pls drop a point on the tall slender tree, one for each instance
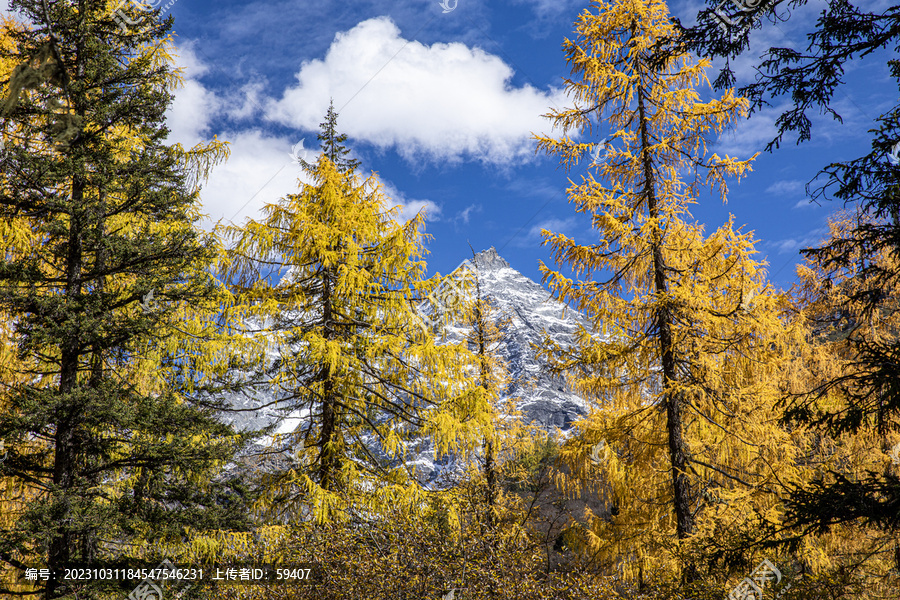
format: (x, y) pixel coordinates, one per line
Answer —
(686, 330)
(101, 253)
(351, 359)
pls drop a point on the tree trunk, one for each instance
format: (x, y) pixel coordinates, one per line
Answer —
(678, 452)
(328, 460)
(65, 442)
(490, 474)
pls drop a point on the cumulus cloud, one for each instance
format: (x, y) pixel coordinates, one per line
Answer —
(245, 102)
(261, 168)
(442, 102)
(259, 171)
(188, 117)
(409, 208)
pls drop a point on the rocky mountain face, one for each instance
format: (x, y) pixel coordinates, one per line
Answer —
(532, 313)
(544, 400)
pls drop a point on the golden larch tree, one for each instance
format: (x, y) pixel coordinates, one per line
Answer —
(343, 324)
(686, 333)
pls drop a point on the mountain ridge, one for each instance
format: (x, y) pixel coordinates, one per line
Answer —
(543, 399)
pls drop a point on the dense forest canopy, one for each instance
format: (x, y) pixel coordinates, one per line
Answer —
(735, 438)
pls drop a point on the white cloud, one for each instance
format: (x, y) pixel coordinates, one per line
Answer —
(259, 171)
(409, 208)
(805, 203)
(189, 114)
(568, 226)
(442, 102)
(787, 245)
(786, 187)
(565, 226)
(261, 168)
(245, 102)
(466, 213)
(749, 136)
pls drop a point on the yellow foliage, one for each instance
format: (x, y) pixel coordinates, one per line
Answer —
(688, 339)
(352, 356)
(826, 385)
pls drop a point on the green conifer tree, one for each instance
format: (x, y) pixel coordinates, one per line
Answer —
(332, 144)
(101, 255)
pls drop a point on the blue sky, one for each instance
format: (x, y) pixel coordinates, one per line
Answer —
(442, 105)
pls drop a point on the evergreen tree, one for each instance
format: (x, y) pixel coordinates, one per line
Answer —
(841, 384)
(342, 323)
(332, 144)
(101, 255)
(809, 77)
(686, 332)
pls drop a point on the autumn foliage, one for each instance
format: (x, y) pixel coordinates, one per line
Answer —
(730, 422)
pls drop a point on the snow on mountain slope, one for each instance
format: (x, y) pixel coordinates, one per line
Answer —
(543, 399)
